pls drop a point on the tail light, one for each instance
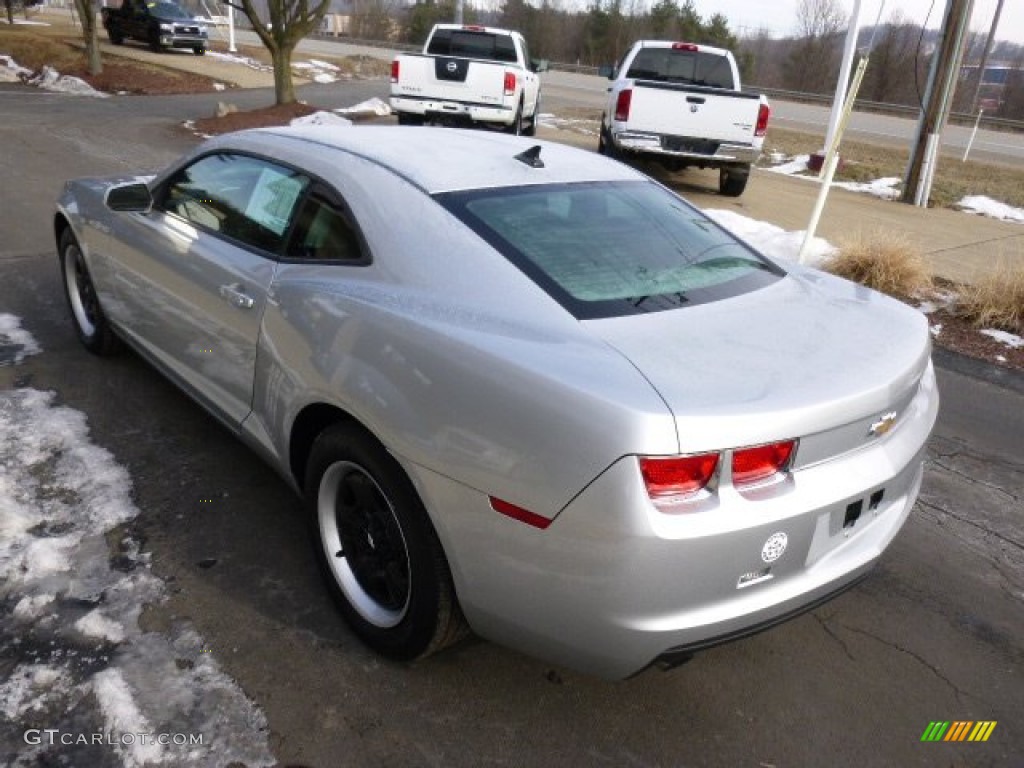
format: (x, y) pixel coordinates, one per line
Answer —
(622, 104)
(394, 70)
(668, 479)
(762, 120)
(684, 47)
(510, 83)
(753, 465)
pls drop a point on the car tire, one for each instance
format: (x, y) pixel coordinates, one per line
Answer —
(732, 179)
(115, 38)
(407, 119)
(517, 127)
(154, 42)
(199, 50)
(91, 325)
(377, 548)
(531, 126)
(605, 146)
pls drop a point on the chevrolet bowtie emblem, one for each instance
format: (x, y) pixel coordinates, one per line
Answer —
(883, 425)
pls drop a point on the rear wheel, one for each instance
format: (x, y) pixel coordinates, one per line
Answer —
(732, 179)
(115, 37)
(377, 548)
(199, 50)
(90, 323)
(605, 146)
(518, 122)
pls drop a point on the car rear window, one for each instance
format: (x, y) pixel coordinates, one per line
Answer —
(607, 249)
(472, 44)
(681, 66)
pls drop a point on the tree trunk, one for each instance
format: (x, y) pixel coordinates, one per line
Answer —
(284, 89)
(9, 4)
(90, 35)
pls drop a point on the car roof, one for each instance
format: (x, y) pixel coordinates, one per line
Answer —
(442, 159)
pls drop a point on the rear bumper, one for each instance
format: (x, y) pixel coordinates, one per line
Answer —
(687, 148)
(614, 584)
(435, 109)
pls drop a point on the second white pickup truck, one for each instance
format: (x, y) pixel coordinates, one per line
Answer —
(468, 74)
(682, 104)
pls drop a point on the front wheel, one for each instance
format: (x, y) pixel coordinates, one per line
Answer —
(531, 127)
(518, 122)
(154, 42)
(115, 37)
(199, 50)
(377, 548)
(90, 323)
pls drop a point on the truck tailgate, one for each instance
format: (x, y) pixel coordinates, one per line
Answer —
(710, 113)
(444, 78)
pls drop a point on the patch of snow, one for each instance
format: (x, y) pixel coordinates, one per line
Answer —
(11, 71)
(1012, 340)
(771, 240)
(95, 624)
(49, 79)
(986, 206)
(321, 118)
(15, 342)
(884, 188)
(575, 125)
(325, 65)
(323, 77)
(245, 61)
(374, 106)
(69, 621)
(935, 330)
(1000, 359)
(795, 167)
(219, 87)
(927, 307)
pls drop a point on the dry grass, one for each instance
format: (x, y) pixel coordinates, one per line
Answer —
(953, 179)
(996, 300)
(884, 261)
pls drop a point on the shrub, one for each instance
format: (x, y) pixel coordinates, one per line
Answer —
(996, 300)
(887, 262)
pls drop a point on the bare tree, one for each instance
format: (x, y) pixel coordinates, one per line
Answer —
(890, 78)
(288, 22)
(90, 34)
(813, 64)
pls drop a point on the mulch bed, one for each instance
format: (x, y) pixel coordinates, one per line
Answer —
(279, 114)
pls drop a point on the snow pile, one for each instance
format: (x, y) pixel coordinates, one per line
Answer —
(11, 71)
(70, 609)
(771, 240)
(986, 206)
(1012, 340)
(585, 127)
(793, 167)
(885, 188)
(373, 106)
(15, 343)
(321, 118)
(50, 79)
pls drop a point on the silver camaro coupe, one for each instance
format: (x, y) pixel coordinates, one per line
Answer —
(522, 388)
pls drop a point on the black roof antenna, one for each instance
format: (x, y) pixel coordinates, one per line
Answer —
(531, 157)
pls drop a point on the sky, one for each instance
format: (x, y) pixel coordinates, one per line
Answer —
(779, 16)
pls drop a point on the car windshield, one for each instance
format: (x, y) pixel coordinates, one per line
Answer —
(168, 11)
(613, 248)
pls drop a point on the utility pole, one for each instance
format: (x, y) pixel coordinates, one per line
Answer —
(938, 101)
(984, 56)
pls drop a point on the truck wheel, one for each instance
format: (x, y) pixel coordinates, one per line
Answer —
(377, 547)
(517, 122)
(115, 38)
(732, 179)
(605, 146)
(199, 50)
(531, 127)
(154, 42)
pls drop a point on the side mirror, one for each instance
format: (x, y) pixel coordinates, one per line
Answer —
(607, 71)
(130, 198)
(539, 65)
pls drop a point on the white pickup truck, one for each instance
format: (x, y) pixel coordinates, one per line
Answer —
(681, 104)
(468, 74)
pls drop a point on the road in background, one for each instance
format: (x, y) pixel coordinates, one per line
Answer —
(935, 633)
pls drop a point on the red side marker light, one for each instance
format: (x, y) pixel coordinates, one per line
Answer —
(520, 514)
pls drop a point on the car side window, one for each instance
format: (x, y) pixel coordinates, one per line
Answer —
(237, 196)
(324, 232)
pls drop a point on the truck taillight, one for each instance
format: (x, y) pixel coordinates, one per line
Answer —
(394, 71)
(762, 120)
(510, 83)
(622, 104)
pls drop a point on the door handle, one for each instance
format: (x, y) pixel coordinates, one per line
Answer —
(235, 296)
